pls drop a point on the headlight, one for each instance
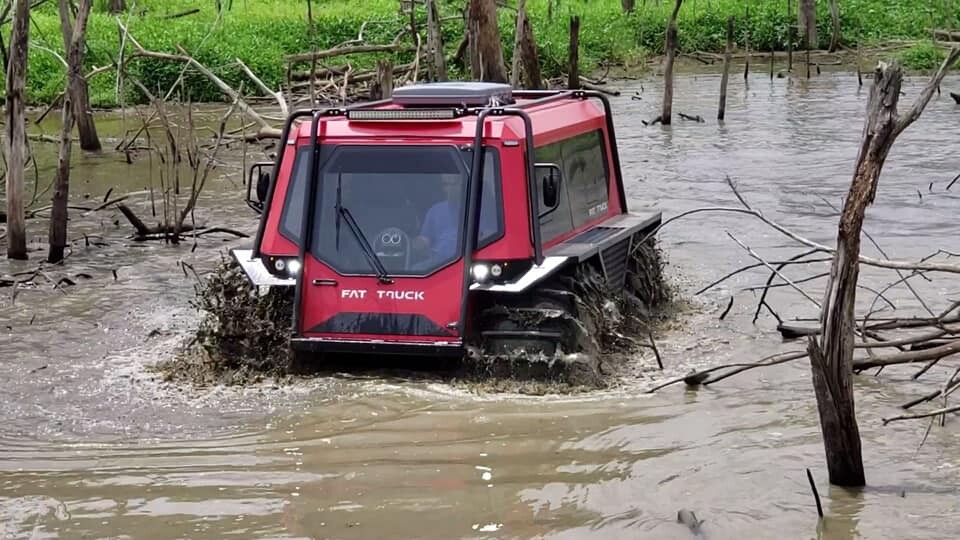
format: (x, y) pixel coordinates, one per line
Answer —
(284, 267)
(480, 272)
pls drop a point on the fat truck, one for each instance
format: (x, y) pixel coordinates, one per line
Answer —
(444, 221)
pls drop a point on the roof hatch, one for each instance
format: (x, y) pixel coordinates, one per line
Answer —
(467, 94)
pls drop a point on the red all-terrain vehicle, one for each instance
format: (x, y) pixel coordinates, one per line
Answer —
(452, 218)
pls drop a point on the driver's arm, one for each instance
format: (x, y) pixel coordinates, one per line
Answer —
(428, 230)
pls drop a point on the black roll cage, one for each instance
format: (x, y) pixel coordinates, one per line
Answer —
(536, 97)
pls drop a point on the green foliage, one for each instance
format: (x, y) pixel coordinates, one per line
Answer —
(923, 55)
(262, 32)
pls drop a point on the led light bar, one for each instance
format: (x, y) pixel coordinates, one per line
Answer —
(370, 115)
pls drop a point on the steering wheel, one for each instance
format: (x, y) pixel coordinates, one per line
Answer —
(393, 244)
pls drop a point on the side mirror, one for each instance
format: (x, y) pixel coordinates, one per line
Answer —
(258, 179)
(548, 178)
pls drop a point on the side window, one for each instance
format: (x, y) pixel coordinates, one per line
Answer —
(491, 206)
(291, 218)
(585, 173)
(558, 221)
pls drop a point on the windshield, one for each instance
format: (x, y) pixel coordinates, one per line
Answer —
(408, 202)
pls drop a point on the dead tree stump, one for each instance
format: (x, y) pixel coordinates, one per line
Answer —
(435, 42)
(573, 79)
(831, 357)
(726, 70)
(16, 139)
(808, 23)
(382, 86)
(670, 49)
(529, 56)
(77, 87)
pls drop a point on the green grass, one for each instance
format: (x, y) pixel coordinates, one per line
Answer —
(261, 32)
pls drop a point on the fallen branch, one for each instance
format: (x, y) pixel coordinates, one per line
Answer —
(266, 130)
(182, 14)
(276, 95)
(937, 412)
(701, 376)
(338, 51)
(910, 357)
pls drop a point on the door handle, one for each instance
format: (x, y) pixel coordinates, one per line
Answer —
(319, 282)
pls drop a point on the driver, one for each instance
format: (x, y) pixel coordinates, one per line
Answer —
(442, 222)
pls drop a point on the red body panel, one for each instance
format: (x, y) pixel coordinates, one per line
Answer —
(435, 300)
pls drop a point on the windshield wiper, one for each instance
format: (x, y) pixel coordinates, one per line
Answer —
(365, 246)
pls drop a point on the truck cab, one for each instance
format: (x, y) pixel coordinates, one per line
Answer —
(402, 225)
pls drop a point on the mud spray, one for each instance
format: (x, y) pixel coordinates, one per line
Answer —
(243, 335)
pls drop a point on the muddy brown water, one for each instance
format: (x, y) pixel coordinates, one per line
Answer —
(92, 446)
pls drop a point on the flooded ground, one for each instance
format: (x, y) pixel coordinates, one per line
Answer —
(92, 446)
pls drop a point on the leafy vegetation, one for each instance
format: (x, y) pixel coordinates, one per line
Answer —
(261, 32)
(923, 55)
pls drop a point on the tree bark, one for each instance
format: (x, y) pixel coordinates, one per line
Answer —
(831, 357)
(670, 49)
(382, 86)
(435, 42)
(61, 185)
(80, 94)
(726, 70)
(488, 61)
(16, 140)
(517, 37)
(117, 6)
(808, 23)
(529, 56)
(573, 79)
(835, 19)
(627, 5)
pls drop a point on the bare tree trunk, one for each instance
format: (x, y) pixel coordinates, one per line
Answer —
(89, 140)
(726, 70)
(831, 358)
(16, 130)
(435, 42)
(530, 57)
(670, 49)
(746, 45)
(117, 6)
(627, 5)
(518, 36)
(808, 23)
(573, 79)
(835, 18)
(382, 86)
(791, 35)
(489, 64)
(61, 185)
